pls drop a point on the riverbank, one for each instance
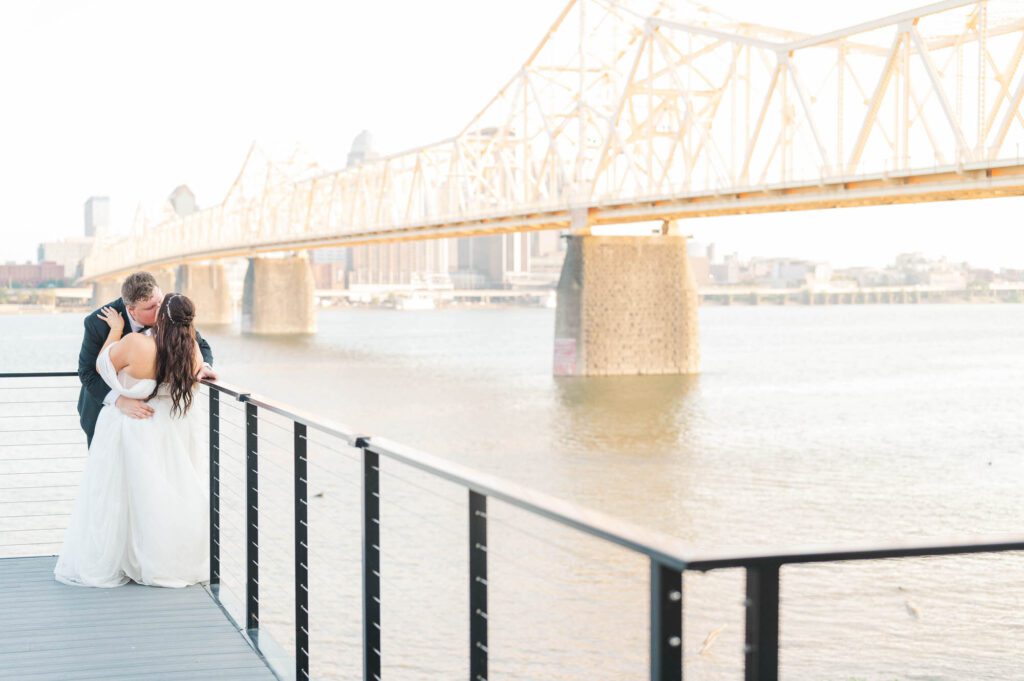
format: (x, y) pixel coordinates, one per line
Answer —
(15, 309)
(736, 301)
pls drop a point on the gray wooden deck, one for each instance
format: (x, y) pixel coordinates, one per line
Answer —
(52, 631)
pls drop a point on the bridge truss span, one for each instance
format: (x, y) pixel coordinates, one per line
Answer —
(629, 112)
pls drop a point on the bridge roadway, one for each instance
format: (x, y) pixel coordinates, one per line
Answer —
(52, 631)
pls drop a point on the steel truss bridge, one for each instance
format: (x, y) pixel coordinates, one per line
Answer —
(627, 112)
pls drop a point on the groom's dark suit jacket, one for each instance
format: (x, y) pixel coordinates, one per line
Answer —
(94, 388)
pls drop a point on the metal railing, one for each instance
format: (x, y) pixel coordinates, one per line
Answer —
(38, 423)
(669, 558)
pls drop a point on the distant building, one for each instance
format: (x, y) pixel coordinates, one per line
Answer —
(547, 253)
(1011, 275)
(870, 276)
(728, 271)
(330, 275)
(362, 150)
(30, 275)
(917, 269)
(700, 262)
(97, 215)
(331, 266)
(68, 253)
(412, 264)
(948, 278)
(492, 261)
(770, 272)
(787, 273)
(182, 200)
(979, 276)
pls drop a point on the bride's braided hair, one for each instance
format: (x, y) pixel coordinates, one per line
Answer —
(175, 338)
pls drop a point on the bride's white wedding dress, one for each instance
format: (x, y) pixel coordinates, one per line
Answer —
(142, 508)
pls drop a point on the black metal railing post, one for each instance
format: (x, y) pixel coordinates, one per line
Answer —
(666, 623)
(301, 556)
(761, 652)
(477, 586)
(371, 562)
(252, 525)
(214, 487)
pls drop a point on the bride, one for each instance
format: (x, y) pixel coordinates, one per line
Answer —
(141, 513)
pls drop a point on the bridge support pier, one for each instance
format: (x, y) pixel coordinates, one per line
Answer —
(105, 291)
(207, 286)
(278, 297)
(626, 305)
(165, 279)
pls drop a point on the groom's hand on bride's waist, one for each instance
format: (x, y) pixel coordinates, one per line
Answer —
(136, 409)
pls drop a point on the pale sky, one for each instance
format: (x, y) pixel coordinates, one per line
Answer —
(129, 99)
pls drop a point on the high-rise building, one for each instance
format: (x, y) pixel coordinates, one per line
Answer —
(68, 253)
(512, 260)
(97, 215)
(362, 150)
(182, 200)
(409, 264)
(493, 261)
(343, 258)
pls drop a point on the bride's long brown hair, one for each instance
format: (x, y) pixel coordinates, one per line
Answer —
(175, 337)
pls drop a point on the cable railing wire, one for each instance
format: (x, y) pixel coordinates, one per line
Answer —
(7, 489)
(82, 457)
(37, 515)
(42, 444)
(37, 416)
(38, 387)
(32, 543)
(36, 501)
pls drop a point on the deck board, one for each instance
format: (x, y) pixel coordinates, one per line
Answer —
(53, 631)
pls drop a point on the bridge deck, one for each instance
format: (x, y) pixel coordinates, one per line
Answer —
(52, 631)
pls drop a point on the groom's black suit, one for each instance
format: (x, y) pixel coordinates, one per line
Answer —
(94, 388)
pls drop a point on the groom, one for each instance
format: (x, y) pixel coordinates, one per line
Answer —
(139, 303)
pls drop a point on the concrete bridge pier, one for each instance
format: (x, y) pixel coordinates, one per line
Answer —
(105, 291)
(165, 279)
(626, 305)
(278, 297)
(207, 286)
